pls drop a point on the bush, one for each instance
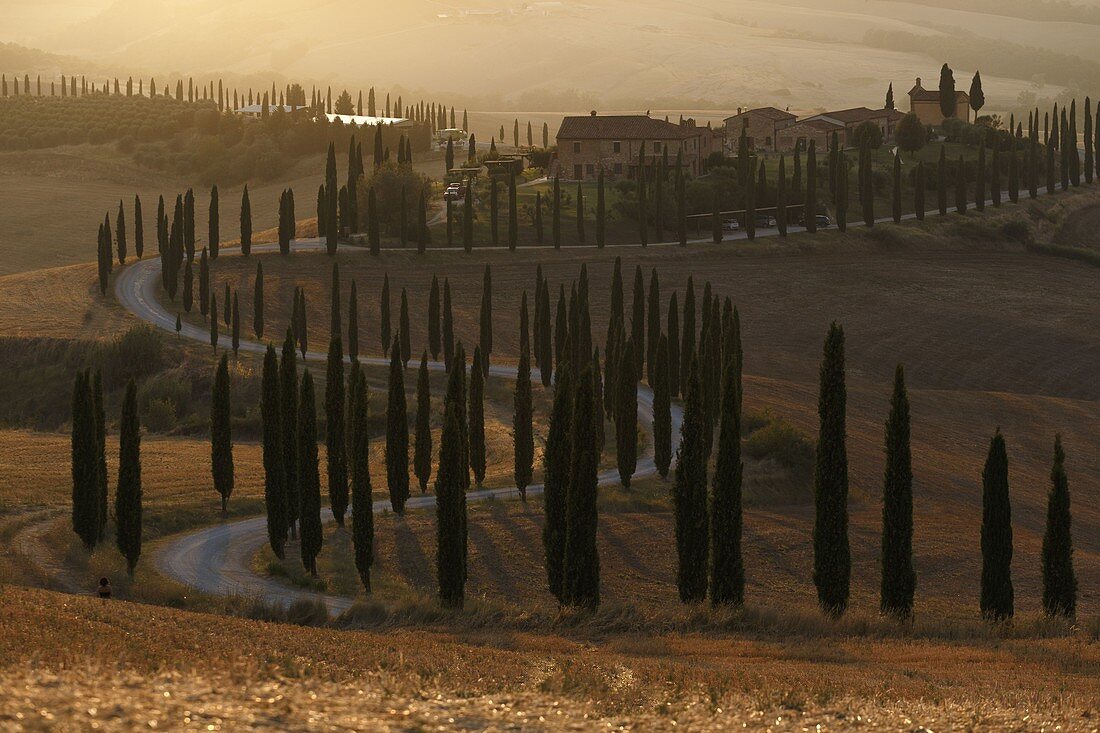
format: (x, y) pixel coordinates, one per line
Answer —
(785, 444)
(307, 612)
(135, 354)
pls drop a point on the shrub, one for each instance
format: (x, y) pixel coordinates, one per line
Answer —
(307, 612)
(785, 444)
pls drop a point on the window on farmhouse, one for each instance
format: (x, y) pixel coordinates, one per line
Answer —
(576, 147)
(617, 146)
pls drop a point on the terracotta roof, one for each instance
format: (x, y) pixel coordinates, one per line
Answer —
(621, 127)
(821, 124)
(919, 94)
(854, 114)
(771, 113)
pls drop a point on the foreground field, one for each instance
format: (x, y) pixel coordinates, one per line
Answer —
(116, 665)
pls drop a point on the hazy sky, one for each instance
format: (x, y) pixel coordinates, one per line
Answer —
(801, 53)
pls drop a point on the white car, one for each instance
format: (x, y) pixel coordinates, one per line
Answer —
(730, 225)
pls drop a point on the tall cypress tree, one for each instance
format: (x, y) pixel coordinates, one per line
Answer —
(213, 219)
(397, 434)
(100, 454)
(898, 578)
(960, 187)
(662, 409)
(809, 207)
(433, 319)
(246, 227)
(895, 198)
(996, 595)
(476, 416)
(523, 434)
(653, 321)
(221, 436)
(271, 416)
(384, 316)
(331, 201)
(580, 559)
(486, 327)
(1059, 580)
(403, 324)
(832, 558)
(601, 212)
(687, 339)
(544, 346)
(214, 321)
(450, 492)
(288, 404)
(637, 323)
(309, 479)
(513, 212)
(555, 219)
(236, 324)
(85, 466)
(673, 336)
(727, 567)
(139, 226)
(120, 234)
(362, 503)
(422, 450)
(335, 435)
(556, 473)
(353, 323)
(626, 415)
(128, 495)
(448, 326)
(373, 237)
(468, 220)
(689, 497)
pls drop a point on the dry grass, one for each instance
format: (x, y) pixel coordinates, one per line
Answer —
(121, 665)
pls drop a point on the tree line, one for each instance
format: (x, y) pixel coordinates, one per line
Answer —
(702, 367)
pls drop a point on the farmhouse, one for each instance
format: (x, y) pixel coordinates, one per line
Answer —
(368, 121)
(925, 104)
(761, 126)
(849, 120)
(797, 135)
(257, 110)
(616, 143)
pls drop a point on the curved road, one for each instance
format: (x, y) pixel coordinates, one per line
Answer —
(217, 560)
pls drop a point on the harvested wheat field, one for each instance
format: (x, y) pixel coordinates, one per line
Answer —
(116, 665)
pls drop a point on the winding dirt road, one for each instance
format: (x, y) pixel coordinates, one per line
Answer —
(217, 560)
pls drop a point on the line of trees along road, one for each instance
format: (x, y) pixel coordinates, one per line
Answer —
(707, 513)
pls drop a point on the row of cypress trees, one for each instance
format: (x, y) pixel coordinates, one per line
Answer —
(90, 511)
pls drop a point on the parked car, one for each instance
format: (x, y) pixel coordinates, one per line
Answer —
(454, 192)
(823, 221)
(730, 225)
(763, 221)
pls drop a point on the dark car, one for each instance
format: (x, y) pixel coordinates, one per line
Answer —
(822, 221)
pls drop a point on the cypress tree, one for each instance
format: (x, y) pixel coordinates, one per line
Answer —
(809, 207)
(309, 480)
(493, 218)
(228, 300)
(214, 321)
(288, 404)
(597, 391)
(246, 227)
(221, 437)
(257, 301)
(271, 415)
(120, 234)
(841, 186)
(189, 223)
(486, 327)
(561, 330)
(1032, 170)
(397, 434)
(423, 234)
(362, 503)
(523, 434)
(996, 594)
(626, 415)
(601, 211)
(781, 198)
(867, 189)
(681, 203)
(128, 495)
(556, 474)
(555, 219)
(673, 336)
(662, 415)
(689, 497)
(85, 466)
(468, 220)
(433, 319)
(331, 201)
(204, 284)
(580, 559)
(537, 217)
(353, 323)
(422, 450)
(546, 365)
(513, 212)
(188, 287)
(236, 325)
(1059, 581)
(335, 437)
(637, 323)
(654, 323)
(406, 342)
(476, 416)
(898, 578)
(727, 567)
(832, 559)
(139, 227)
(448, 326)
(213, 223)
(687, 342)
(450, 505)
(384, 316)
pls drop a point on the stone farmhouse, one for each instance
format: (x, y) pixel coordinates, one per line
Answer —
(761, 125)
(616, 144)
(925, 104)
(848, 120)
